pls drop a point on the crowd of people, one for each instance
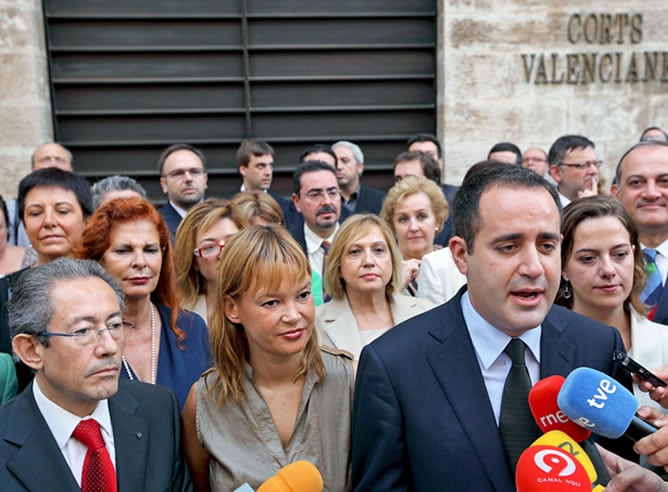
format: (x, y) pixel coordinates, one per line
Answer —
(391, 338)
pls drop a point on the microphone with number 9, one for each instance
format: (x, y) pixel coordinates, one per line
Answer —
(549, 469)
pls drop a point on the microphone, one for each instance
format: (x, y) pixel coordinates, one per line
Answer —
(550, 418)
(546, 411)
(561, 440)
(549, 469)
(300, 476)
(597, 402)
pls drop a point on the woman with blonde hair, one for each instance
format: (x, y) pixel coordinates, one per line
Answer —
(259, 207)
(200, 241)
(415, 208)
(273, 396)
(362, 272)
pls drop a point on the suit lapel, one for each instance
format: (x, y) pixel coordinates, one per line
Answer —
(455, 366)
(341, 327)
(131, 440)
(38, 462)
(557, 350)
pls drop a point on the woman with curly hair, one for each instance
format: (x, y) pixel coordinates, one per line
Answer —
(163, 344)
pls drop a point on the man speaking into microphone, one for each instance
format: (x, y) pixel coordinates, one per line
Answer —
(441, 399)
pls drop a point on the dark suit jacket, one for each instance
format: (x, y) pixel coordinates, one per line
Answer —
(661, 314)
(447, 231)
(172, 218)
(296, 226)
(146, 438)
(422, 418)
(369, 200)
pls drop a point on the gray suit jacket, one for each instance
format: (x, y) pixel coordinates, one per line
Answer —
(147, 440)
(337, 327)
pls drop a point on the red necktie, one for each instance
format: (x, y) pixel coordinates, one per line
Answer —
(98, 474)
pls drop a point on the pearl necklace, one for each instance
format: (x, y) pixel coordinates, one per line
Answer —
(154, 367)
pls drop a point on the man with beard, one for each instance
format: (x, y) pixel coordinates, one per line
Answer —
(183, 179)
(317, 198)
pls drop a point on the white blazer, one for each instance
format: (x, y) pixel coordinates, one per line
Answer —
(337, 327)
(439, 277)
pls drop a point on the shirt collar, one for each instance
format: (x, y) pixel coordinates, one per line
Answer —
(178, 209)
(490, 342)
(62, 423)
(313, 241)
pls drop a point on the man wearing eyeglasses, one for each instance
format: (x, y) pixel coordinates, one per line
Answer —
(76, 427)
(574, 167)
(183, 179)
(535, 159)
(317, 198)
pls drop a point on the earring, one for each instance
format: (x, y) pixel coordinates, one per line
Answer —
(566, 292)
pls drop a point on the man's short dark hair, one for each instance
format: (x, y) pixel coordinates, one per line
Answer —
(179, 146)
(507, 147)
(466, 206)
(308, 167)
(426, 137)
(250, 148)
(53, 176)
(430, 167)
(30, 308)
(565, 144)
(318, 147)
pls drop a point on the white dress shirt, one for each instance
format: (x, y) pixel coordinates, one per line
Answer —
(489, 344)
(62, 423)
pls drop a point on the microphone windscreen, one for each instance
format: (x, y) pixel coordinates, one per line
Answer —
(300, 476)
(549, 469)
(597, 402)
(564, 442)
(546, 411)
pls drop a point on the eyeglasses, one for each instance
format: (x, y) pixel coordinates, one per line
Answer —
(581, 166)
(195, 172)
(86, 337)
(533, 159)
(210, 250)
(318, 195)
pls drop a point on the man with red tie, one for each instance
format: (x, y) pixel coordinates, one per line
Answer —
(76, 427)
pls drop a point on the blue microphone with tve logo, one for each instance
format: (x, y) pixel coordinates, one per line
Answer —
(597, 402)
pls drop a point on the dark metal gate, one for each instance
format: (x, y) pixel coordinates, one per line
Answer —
(130, 77)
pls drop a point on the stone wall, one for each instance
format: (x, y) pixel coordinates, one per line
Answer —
(496, 77)
(499, 81)
(25, 108)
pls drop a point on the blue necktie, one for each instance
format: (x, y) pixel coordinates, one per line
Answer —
(652, 291)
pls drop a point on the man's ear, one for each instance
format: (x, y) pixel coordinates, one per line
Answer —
(29, 350)
(163, 185)
(555, 172)
(295, 201)
(459, 252)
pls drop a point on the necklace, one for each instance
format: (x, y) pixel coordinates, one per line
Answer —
(154, 367)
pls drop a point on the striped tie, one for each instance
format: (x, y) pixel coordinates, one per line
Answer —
(652, 291)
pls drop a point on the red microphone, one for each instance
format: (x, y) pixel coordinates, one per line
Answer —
(550, 469)
(549, 417)
(546, 412)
